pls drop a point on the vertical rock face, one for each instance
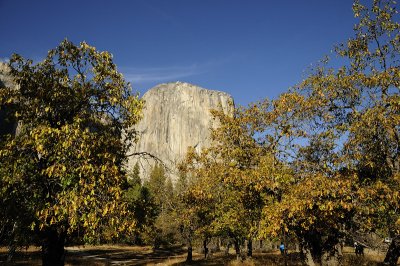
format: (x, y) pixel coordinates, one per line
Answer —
(176, 116)
(8, 125)
(5, 78)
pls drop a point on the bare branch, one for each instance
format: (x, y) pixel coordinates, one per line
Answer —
(146, 155)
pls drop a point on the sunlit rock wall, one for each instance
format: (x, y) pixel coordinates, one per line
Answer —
(176, 116)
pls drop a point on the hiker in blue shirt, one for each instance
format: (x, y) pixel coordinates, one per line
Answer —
(282, 248)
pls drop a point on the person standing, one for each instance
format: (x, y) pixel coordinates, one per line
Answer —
(282, 248)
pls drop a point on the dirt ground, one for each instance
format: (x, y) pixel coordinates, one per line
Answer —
(106, 255)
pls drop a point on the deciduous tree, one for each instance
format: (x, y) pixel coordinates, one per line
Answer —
(65, 165)
(351, 143)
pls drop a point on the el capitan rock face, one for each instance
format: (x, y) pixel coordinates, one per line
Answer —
(7, 126)
(176, 116)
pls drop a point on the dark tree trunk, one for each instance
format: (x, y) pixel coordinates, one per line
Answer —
(311, 249)
(317, 250)
(237, 249)
(11, 252)
(393, 253)
(250, 248)
(53, 248)
(205, 248)
(332, 257)
(307, 256)
(189, 257)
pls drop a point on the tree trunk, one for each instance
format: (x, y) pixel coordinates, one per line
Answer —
(297, 247)
(311, 249)
(205, 248)
(307, 256)
(53, 248)
(250, 248)
(332, 257)
(393, 253)
(11, 252)
(237, 249)
(321, 251)
(189, 257)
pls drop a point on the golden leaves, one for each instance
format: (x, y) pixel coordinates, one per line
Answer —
(69, 150)
(322, 155)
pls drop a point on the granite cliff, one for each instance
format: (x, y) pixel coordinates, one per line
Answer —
(176, 116)
(8, 125)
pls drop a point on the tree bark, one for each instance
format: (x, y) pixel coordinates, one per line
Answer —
(189, 257)
(393, 253)
(316, 251)
(11, 252)
(53, 253)
(311, 248)
(250, 248)
(237, 249)
(205, 248)
(332, 257)
(307, 256)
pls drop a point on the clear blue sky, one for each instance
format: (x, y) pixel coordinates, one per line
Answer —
(251, 49)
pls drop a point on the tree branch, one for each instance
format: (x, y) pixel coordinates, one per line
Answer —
(147, 155)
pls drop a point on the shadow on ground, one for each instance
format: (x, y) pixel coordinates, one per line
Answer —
(134, 255)
(123, 256)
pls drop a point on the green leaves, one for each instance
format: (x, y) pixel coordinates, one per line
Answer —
(319, 159)
(73, 109)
